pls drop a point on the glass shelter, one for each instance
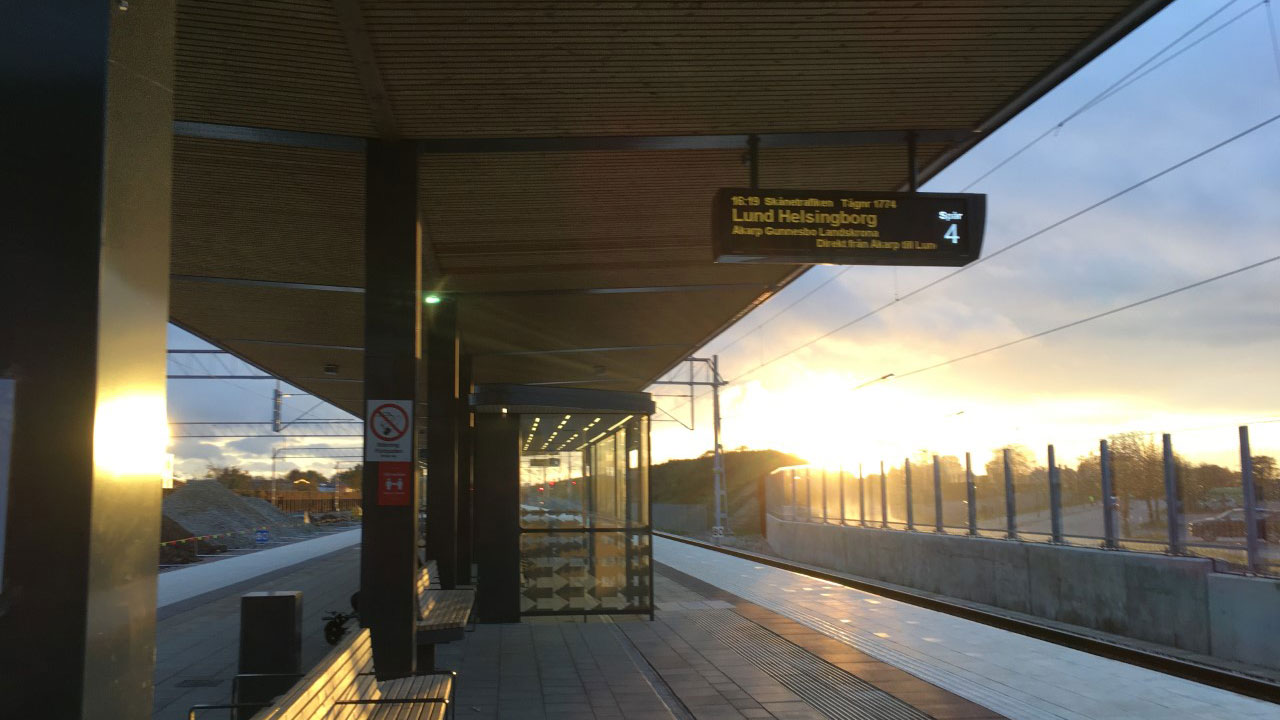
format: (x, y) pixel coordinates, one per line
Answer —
(580, 474)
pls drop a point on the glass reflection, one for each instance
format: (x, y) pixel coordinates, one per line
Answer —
(584, 515)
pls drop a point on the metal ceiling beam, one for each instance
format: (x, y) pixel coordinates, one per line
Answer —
(570, 351)
(689, 142)
(277, 284)
(351, 20)
(611, 290)
(480, 145)
(268, 136)
(286, 343)
(591, 381)
(247, 282)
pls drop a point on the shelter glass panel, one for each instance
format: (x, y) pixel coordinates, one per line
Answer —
(584, 513)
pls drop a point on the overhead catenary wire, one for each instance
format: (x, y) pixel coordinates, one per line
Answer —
(1091, 318)
(1198, 40)
(1025, 239)
(1132, 76)
(1275, 41)
(1110, 91)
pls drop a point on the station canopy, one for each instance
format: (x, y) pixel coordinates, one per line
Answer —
(569, 155)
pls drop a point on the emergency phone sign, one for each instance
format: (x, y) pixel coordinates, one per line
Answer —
(395, 483)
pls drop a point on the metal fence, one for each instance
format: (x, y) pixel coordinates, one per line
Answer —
(299, 501)
(1132, 493)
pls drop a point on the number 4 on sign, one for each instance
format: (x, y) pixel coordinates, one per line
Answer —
(952, 234)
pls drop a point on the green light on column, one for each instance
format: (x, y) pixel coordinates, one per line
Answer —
(432, 299)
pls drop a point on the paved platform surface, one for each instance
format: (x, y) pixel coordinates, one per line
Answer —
(1012, 675)
(185, 583)
(198, 641)
(731, 640)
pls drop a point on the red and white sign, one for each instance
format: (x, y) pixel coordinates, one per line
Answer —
(388, 435)
(395, 483)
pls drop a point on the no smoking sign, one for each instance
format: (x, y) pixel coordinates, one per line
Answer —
(388, 431)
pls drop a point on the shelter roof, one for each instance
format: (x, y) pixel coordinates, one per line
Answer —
(570, 151)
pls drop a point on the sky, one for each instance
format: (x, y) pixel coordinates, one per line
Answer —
(1196, 364)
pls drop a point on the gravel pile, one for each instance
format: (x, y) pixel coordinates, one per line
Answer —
(206, 507)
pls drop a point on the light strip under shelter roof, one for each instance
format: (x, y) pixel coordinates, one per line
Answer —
(569, 152)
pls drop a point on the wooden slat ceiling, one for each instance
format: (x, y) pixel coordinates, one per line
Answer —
(518, 234)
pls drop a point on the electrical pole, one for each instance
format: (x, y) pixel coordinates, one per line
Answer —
(722, 499)
(720, 511)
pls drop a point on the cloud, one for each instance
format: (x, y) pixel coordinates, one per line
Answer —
(194, 448)
(255, 445)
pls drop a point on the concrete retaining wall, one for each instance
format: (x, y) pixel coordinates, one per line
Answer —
(1175, 601)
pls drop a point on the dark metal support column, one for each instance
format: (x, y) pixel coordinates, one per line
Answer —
(970, 494)
(466, 447)
(1010, 499)
(1172, 498)
(393, 278)
(85, 163)
(906, 481)
(884, 498)
(1055, 498)
(937, 495)
(1109, 500)
(497, 505)
(442, 439)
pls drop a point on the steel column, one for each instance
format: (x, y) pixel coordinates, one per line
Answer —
(906, 480)
(1055, 498)
(825, 512)
(1172, 497)
(795, 493)
(1109, 499)
(842, 508)
(971, 494)
(392, 332)
(884, 497)
(808, 494)
(1010, 502)
(937, 495)
(862, 497)
(442, 438)
(466, 445)
(497, 506)
(86, 171)
(1250, 502)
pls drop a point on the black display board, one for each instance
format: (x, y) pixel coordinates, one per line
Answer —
(847, 227)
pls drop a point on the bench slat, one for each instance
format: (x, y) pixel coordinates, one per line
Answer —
(335, 677)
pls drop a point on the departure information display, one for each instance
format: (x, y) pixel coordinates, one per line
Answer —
(847, 228)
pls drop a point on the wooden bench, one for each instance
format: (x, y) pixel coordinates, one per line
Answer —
(342, 687)
(443, 615)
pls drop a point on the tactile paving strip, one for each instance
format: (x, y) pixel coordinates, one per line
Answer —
(827, 688)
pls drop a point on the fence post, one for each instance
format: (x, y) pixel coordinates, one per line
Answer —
(795, 493)
(1172, 498)
(906, 479)
(1055, 498)
(808, 493)
(937, 495)
(841, 481)
(884, 498)
(1110, 503)
(1250, 501)
(862, 498)
(971, 494)
(1010, 505)
(826, 514)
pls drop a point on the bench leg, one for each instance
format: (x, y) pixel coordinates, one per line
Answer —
(426, 658)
